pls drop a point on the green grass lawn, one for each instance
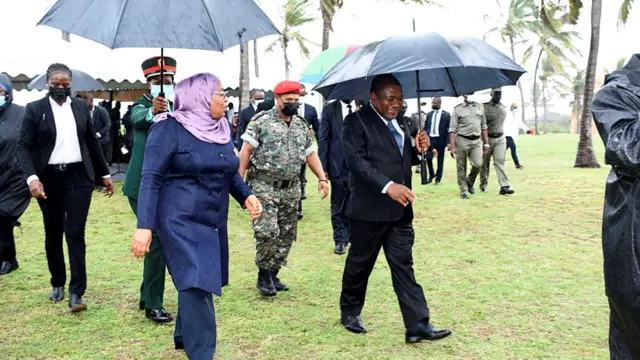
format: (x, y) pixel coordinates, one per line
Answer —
(514, 278)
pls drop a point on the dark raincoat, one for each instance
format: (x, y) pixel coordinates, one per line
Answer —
(14, 192)
(616, 111)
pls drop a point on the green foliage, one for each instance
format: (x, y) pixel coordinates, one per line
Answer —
(295, 16)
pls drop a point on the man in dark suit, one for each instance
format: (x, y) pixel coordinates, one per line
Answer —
(379, 206)
(438, 128)
(331, 156)
(310, 115)
(59, 153)
(257, 96)
(101, 124)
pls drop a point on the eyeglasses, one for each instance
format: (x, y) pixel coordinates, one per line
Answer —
(221, 93)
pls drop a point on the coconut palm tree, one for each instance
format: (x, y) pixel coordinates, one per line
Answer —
(328, 9)
(295, 15)
(555, 42)
(585, 156)
(255, 57)
(243, 98)
(520, 21)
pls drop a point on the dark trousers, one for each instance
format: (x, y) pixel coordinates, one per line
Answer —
(7, 242)
(437, 174)
(624, 331)
(514, 154)
(339, 222)
(303, 184)
(107, 150)
(396, 238)
(196, 324)
(65, 213)
(153, 275)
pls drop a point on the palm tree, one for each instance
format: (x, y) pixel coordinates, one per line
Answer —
(295, 16)
(585, 156)
(554, 41)
(243, 97)
(328, 9)
(255, 57)
(520, 20)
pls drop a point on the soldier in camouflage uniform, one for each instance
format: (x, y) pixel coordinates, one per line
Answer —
(468, 126)
(495, 113)
(276, 144)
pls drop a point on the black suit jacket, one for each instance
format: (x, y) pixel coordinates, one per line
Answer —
(442, 140)
(329, 145)
(374, 160)
(243, 120)
(311, 117)
(38, 138)
(101, 123)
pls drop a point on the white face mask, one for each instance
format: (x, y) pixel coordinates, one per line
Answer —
(258, 102)
(301, 100)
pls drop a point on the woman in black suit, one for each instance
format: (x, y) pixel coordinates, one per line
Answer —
(61, 158)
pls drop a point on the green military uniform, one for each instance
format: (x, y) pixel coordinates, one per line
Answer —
(153, 279)
(280, 149)
(495, 114)
(468, 122)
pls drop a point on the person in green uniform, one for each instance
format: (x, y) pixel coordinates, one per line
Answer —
(495, 113)
(142, 113)
(468, 126)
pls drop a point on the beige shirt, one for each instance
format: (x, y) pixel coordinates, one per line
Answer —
(495, 114)
(468, 119)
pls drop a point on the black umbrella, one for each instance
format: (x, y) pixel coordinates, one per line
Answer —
(81, 82)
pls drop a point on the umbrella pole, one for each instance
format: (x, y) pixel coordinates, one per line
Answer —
(423, 160)
(161, 73)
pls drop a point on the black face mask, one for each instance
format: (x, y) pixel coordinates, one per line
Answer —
(435, 107)
(59, 94)
(290, 109)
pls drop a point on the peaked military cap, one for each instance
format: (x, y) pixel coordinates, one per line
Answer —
(151, 67)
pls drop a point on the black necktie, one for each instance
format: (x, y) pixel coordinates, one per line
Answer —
(350, 111)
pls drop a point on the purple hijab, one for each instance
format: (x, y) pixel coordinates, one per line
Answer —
(191, 109)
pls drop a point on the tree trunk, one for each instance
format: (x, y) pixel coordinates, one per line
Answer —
(544, 107)
(522, 103)
(287, 64)
(327, 19)
(535, 95)
(585, 157)
(244, 76)
(255, 57)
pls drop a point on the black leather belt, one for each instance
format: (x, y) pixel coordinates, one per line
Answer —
(65, 167)
(276, 183)
(472, 137)
(496, 135)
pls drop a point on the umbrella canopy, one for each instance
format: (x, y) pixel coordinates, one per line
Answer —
(80, 81)
(322, 63)
(185, 24)
(446, 67)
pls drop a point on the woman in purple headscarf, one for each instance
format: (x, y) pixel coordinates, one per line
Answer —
(189, 171)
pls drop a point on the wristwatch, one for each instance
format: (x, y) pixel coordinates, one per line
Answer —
(487, 145)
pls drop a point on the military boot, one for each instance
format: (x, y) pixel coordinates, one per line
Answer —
(265, 284)
(277, 283)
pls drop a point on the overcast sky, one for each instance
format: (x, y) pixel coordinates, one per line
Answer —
(28, 49)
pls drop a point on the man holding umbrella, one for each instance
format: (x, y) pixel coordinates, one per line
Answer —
(142, 113)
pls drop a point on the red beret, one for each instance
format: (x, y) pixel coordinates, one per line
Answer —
(287, 87)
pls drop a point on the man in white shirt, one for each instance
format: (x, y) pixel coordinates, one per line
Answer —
(512, 126)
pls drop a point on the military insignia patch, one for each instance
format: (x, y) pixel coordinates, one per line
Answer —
(251, 124)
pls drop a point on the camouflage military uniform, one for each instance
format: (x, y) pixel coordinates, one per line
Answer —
(280, 149)
(467, 123)
(495, 114)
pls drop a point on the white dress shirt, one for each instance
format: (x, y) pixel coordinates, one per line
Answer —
(434, 130)
(345, 108)
(512, 125)
(67, 147)
(399, 130)
(301, 109)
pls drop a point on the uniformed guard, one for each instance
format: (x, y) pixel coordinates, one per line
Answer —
(276, 144)
(468, 126)
(142, 113)
(495, 113)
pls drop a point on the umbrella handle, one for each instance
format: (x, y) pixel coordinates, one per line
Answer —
(423, 168)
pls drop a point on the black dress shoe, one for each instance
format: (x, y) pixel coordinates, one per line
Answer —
(483, 188)
(425, 332)
(429, 180)
(57, 294)
(472, 190)
(158, 316)
(277, 283)
(300, 215)
(303, 196)
(76, 304)
(340, 249)
(505, 190)
(353, 324)
(265, 283)
(8, 266)
(437, 182)
(464, 196)
(178, 343)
